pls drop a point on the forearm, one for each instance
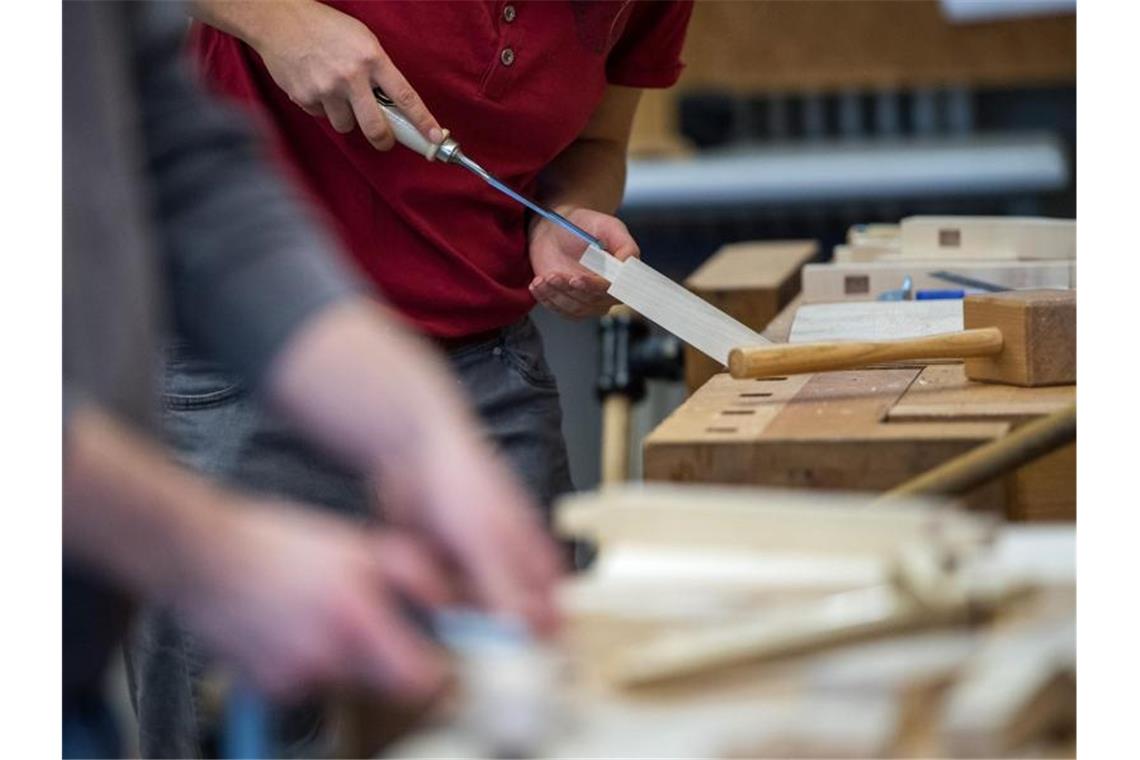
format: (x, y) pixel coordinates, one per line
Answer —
(129, 512)
(367, 389)
(588, 174)
(250, 22)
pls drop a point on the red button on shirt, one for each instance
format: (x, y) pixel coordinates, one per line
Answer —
(446, 250)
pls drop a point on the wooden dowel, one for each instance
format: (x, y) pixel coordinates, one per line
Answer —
(985, 463)
(616, 411)
(794, 358)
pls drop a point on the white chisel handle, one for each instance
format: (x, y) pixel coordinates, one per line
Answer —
(404, 130)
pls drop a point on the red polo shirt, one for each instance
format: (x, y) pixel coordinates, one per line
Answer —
(446, 250)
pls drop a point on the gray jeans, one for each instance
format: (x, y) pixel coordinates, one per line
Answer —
(218, 428)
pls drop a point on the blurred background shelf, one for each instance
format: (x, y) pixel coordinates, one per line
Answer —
(900, 169)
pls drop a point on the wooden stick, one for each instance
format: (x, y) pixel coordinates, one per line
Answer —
(841, 618)
(983, 464)
(615, 439)
(838, 619)
(795, 358)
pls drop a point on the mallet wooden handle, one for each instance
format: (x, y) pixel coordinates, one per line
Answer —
(794, 358)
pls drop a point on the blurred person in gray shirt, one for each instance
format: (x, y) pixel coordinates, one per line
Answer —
(173, 224)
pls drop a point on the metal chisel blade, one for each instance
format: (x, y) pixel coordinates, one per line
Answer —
(545, 213)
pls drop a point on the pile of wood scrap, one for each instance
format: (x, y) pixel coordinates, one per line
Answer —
(728, 622)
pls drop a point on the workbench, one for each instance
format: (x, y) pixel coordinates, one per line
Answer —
(864, 430)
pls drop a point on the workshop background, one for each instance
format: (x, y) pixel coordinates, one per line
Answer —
(797, 120)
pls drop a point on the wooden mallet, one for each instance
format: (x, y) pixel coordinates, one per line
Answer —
(1026, 337)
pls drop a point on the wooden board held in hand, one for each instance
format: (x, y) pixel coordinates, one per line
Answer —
(667, 304)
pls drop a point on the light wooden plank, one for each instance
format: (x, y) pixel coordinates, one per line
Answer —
(669, 305)
(988, 237)
(875, 320)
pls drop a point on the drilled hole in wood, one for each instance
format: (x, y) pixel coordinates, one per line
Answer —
(739, 411)
(757, 394)
(769, 379)
(720, 430)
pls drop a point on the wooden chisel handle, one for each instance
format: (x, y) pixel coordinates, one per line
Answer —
(794, 358)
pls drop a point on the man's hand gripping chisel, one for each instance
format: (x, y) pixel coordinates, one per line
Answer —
(448, 152)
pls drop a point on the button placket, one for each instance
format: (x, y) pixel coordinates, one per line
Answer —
(500, 73)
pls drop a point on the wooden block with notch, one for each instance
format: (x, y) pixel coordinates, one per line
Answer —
(751, 282)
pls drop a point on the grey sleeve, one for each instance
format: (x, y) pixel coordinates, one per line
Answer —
(248, 263)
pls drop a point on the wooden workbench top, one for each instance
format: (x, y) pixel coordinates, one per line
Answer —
(859, 430)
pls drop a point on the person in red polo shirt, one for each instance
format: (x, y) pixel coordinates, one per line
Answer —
(540, 93)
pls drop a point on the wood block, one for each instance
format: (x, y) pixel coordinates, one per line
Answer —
(864, 281)
(751, 282)
(1039, 329)
(988, 237)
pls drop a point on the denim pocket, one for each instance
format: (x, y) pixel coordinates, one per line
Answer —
(523, 351)
(193, 383)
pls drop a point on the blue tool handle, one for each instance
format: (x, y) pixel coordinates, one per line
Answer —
(938, 295)
(246, 732)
